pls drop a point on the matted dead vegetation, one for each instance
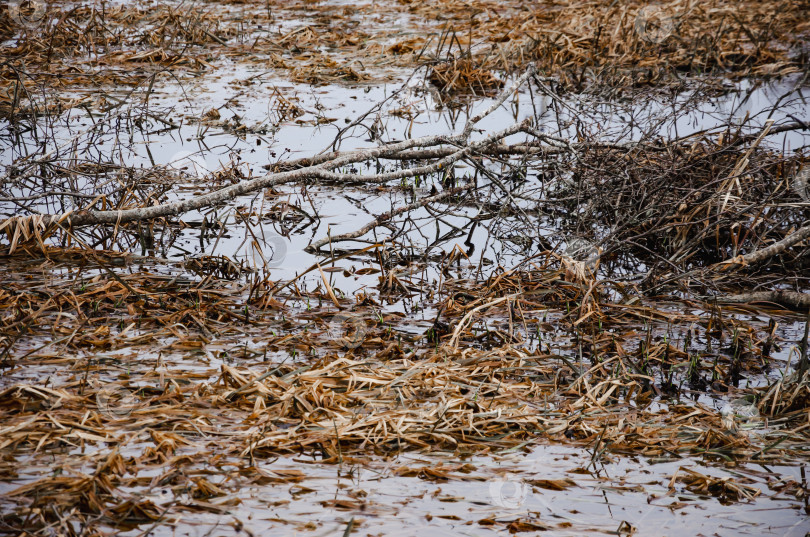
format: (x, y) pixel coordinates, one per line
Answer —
(381, 396)
(582, 44)
(653, 273)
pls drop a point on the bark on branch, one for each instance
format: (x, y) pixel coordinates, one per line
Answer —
(768, 252)
(319, 167)
(385, 217)
(789, 299)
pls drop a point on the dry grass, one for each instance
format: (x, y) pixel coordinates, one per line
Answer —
(215, 363)
(475, 391)
(580, 43)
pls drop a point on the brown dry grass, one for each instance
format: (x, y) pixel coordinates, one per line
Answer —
(461, 386)
(579, 43)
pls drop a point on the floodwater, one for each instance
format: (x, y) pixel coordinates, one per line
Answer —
(608, 499)
(613, 495)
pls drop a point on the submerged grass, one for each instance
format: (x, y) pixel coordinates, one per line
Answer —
(126, 373)
(361, 390)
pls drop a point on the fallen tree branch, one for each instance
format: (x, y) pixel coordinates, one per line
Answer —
(766, 253)
(789, 299)
(385, 217)
(319, 167)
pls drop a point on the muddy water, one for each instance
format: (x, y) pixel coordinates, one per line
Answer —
(618, 496)
(610, 497)
(602, 500)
